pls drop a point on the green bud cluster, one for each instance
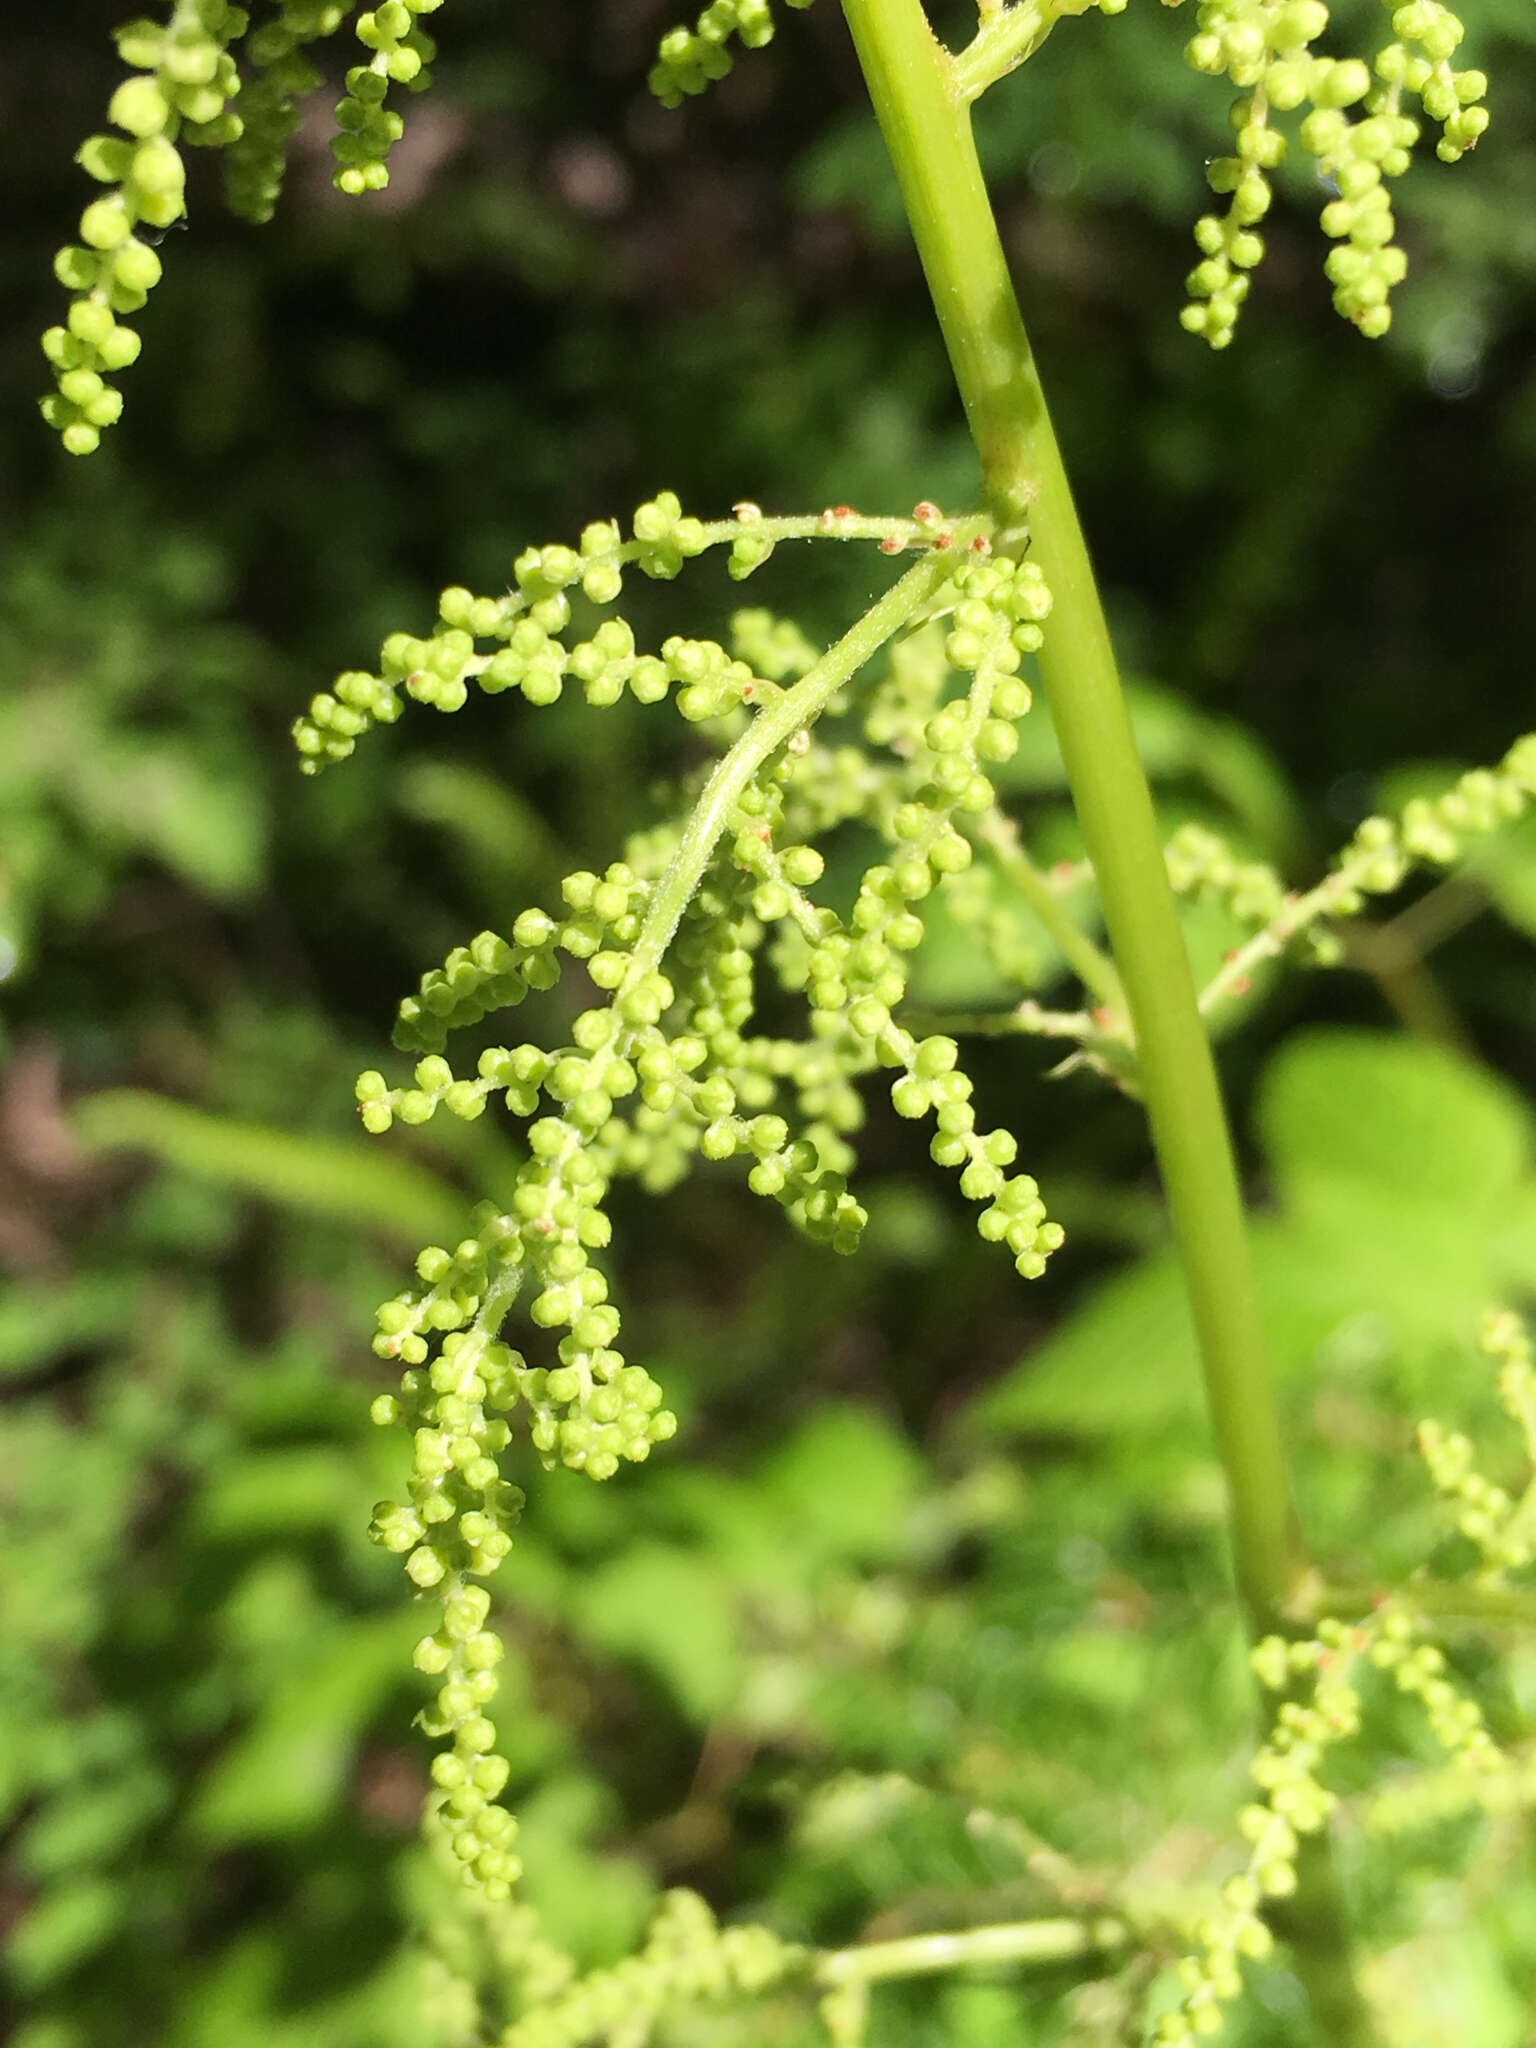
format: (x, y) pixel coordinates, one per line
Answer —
(771, 646)
(1293, 1803)
(1502, 1527)
(481, 1958)
(525, 625)
(1319, 1679)
(979, 900)
(589, 1411)
(690, 60)
(1428, 1799)
(666, 1070)
(688, 1959)
(368, 127)
(1378, 859)
(1433, 830)
(1321, 1710)
(602, 918)
(530, 656)
(278, 77)
(1480, 801)
(1504, 1338)
(1418, 1670)
(1419, 62)
(1201, 864)
(456, 1529)
(187, 88)
(998, 605)
(854, 973)
(183, 83)
(1264, 47)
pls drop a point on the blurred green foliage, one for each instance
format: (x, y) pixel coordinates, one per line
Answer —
(931, 1591)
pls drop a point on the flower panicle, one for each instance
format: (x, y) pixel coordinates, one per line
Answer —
(1356, 128)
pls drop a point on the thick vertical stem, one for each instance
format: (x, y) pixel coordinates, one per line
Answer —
(923, 117)
(928, 133)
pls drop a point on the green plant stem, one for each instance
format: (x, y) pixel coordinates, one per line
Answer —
(1027, 1019)
(1449, 1601)
(1094, 969)
(1021, 1941)
(923, 116)
(777, 721)
(1005, 39)
(927, 131)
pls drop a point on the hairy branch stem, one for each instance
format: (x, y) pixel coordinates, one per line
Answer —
(1003, 42)
(791, 712)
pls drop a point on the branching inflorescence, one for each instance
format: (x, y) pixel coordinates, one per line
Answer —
(208, 78)
(664, 1069)
(1265, 47)
(1432, 832)
(1324, 1683)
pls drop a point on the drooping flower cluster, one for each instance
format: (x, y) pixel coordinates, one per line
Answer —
(1201, 864)
(369, 127)
(514, 642)
(208, 78)
(1502, 1527)
(688, 1960)
(1321, 1681)
(278, 76)
(689, 61)
(490, 1972)
(1266, 48)
(665, 1069)
(183, 83)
